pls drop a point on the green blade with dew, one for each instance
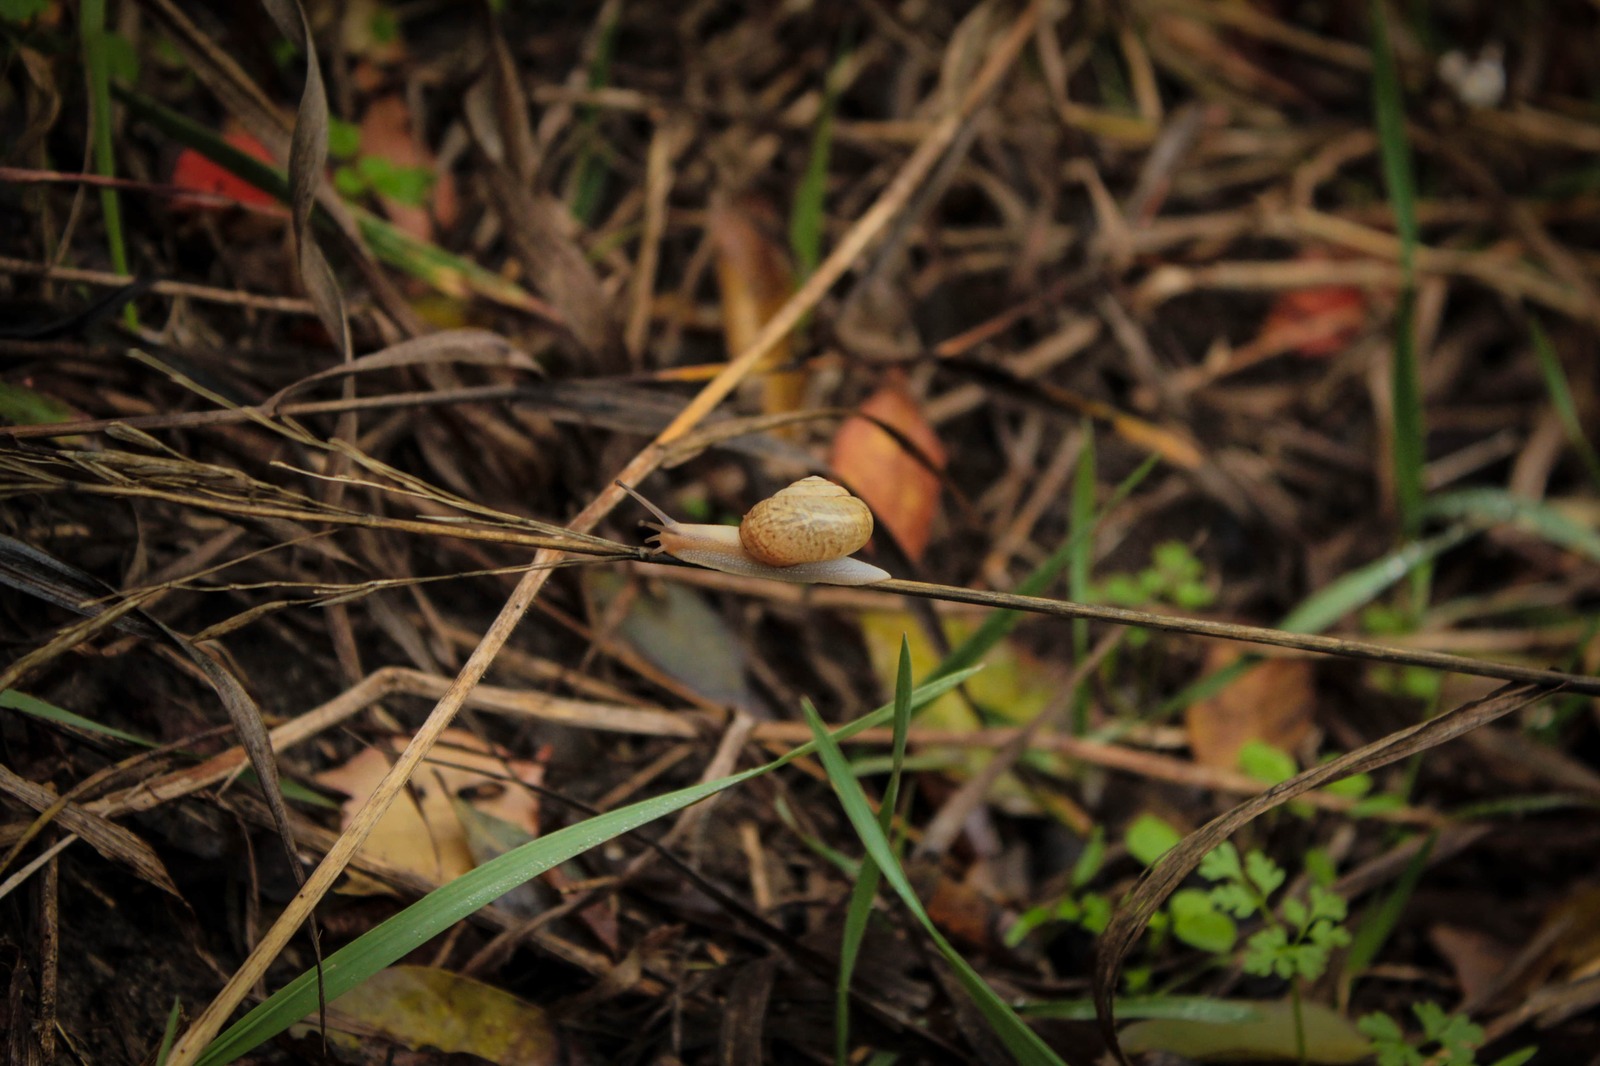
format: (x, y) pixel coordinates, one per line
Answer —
(1491, 507)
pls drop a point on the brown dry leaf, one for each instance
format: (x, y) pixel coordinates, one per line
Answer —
(959, 909)
(422, 1007)
(1578, 917)
(387, 133)
(1476, 958)
(901, 488)
(421, 832)
(755, 280)
(1271, 702)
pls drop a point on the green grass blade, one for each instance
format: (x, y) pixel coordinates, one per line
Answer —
(447, 273)
(22, 406)
(1380, 922)
(449, 903)
(1364, 584)
(589, 171)
(97, 62)
(808, 217)
(1522, 806)
(902, 725)
(1023, 1043)
(1409, 431)
(1555, 380)
(1080, 528)
(12, 700)
(1129, 1008)
(1487, 507)
(995, 628)
(850, 868)
(1517, 1058)
(1390, 114)
(865, 890)
(1324, 607)
(856, 916)
(169, 1035)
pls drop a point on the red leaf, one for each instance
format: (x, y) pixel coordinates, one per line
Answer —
(193, 172)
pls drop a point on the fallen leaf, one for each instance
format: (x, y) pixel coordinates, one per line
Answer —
(1476, 958)
(754, 279)
(965, 914)
(420, 832)
(423, 1007)
(1314, 322)
(1271, 702)
(1272, 1035)
(677, 631)
(387, 134)
(193, 172)
(901, 488)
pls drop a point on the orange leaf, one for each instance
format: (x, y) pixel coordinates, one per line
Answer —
(754, 277)
(1271, 702)
(901, 489)
(1315, 322)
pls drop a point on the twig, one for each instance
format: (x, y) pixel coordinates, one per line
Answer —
(1278, 638)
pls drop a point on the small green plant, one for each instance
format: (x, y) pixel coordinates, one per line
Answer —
(1453, 1040)
(363, 174)
(1295, 943)
(1090, 911)
(1174, 576)
(1300, 935)
(1416, 682)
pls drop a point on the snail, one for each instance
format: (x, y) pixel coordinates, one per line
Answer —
(803, 533)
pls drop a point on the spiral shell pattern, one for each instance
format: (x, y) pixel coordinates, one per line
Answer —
(810, 521)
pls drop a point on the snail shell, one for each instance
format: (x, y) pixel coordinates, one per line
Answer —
(809, 528)
(811, 521)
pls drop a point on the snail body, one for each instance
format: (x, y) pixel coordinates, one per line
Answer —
(805, 533)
